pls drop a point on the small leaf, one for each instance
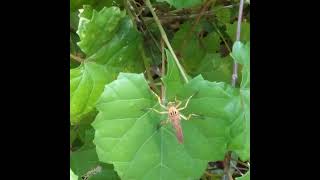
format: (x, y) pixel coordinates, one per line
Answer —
(188, 47)
(85, 160)
(73, 176)
(172, 81)
(86, 84)
(95, 29)
(216, 68)
(244, 34)
(241, 54)
(182, 3)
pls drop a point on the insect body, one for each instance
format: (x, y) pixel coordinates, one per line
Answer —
(174, 115)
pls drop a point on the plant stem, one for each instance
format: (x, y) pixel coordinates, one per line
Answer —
(79, 59)
(235, 64)
(147, 66)
(165, 39)
(163, 95)
(223, 39)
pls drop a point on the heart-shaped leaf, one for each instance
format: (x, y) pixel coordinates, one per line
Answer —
(127, 134)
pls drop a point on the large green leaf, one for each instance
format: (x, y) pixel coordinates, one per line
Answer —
(104, 37)
(182, 3)
(127, 135)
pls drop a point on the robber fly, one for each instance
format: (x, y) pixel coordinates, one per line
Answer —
(174, 115)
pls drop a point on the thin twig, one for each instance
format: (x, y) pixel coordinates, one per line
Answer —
(223, 39)
(163, 95)
(79, 59)
(165, 38)
(234, 166)
(242, 163)
(235, 65)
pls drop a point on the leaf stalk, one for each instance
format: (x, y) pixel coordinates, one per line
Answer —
(235, 64)
(165, 39)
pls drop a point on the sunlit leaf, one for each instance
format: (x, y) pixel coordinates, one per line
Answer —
(127, 134)
(104, 37)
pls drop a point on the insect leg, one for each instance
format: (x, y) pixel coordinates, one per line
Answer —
(159, 100)
(160, 112)
(176, 100)
(185, 106)
(189, 116)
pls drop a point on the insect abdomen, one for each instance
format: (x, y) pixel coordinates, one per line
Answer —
(179, 133)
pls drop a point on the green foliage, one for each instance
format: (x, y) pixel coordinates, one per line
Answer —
(106, 44)
(97, 4)
(224, 15)
(182, 3)
(86, 159)
(199, 55)
(113, 132)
